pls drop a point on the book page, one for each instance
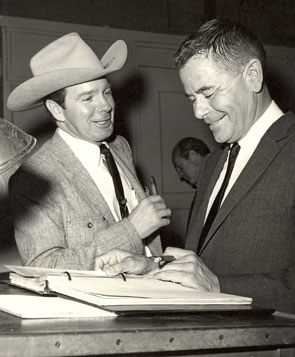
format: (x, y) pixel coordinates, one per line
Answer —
(113, 291)
(42, 307)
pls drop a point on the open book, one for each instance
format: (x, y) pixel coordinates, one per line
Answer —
(125, 293)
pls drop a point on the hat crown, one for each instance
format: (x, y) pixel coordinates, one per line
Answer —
(67, 52)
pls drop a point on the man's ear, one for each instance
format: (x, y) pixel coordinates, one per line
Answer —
(253, 74)
(193, 156)
(55, 109)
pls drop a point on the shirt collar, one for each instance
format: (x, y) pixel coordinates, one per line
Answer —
(88, 153)
(259, 128)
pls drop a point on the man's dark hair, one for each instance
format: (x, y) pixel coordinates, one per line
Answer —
(58, 97)
(184, 146)
(227, 42)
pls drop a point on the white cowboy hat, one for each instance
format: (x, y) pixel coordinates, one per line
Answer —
(64, 62)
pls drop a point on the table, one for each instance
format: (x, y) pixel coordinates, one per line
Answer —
(212, 334)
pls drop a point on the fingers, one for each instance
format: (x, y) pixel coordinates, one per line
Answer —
(165, 222)
(158, 203)
(176, 266)
(104, 260)
(154, 198)
(111, 257)
(178, 252)
(116, 269)
(189, 271)
(186, 267)
(179, 277)
(149, 215)
(130, 265)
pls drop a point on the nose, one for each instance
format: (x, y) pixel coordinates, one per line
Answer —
(179, 173)
(201, 107)
(103, 105)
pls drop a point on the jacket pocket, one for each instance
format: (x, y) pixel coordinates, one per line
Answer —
(81, 230)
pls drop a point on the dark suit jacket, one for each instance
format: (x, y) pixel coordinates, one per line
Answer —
(251, 244)
(61, 219)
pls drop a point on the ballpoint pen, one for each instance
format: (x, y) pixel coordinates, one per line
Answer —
(153, 185)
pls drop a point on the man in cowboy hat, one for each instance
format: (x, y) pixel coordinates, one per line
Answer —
(64, 203)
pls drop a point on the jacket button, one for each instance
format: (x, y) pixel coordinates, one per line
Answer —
(89, 225)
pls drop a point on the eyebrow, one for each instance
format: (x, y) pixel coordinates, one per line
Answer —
(88, 92)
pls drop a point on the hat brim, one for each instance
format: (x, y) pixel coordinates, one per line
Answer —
(30, 93)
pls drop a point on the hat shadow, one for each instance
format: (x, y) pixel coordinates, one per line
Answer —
(280, 89)
(128, 96)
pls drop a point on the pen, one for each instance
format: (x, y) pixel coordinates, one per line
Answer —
(154, 190)
(162, 260)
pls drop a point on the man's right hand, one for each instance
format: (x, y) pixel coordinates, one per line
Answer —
(149, 215)
(188, 270)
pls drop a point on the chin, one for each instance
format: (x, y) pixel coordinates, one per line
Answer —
(221, 139)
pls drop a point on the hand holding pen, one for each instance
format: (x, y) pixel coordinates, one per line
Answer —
(151, 213)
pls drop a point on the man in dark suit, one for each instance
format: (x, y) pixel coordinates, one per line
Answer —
(188, 157)
(66, 209)
(248, 246)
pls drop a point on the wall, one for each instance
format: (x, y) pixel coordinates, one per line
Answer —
(271, 20)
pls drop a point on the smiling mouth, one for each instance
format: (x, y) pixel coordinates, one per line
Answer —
(103, 122)
(216, 121)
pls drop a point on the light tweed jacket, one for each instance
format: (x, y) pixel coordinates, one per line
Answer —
(61, 220)
(251, 243)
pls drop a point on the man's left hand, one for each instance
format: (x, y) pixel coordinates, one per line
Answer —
(117, 261)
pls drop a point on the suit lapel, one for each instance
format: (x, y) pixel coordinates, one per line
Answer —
(262, 157)
(206, 187)
(85, 184)
(81, 178)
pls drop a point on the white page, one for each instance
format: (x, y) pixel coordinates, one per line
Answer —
(27, 306)
(115, 291)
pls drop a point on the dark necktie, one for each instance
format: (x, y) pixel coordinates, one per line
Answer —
(113, 169)
(234, 150)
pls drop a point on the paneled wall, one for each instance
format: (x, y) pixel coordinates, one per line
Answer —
(151, 109)
(271, 20)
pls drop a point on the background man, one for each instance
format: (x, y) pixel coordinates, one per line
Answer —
(188, 156)
(66, 209)
(242, 227)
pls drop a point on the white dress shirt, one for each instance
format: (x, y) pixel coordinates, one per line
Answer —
(248, 145)
(89, 155)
